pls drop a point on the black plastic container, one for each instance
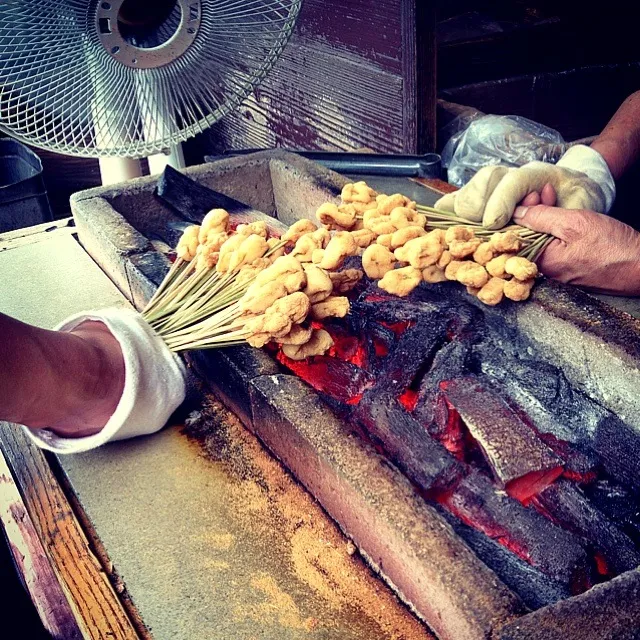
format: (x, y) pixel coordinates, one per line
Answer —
(23, 196)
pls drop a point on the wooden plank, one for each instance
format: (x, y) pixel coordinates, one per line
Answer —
(32, 562)
(97, 609)
(419, 74)
(346, 80)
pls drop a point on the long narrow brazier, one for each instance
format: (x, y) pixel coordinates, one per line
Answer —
(587, 413)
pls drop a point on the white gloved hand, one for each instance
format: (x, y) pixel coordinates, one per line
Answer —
(154, 387)
(581, 180)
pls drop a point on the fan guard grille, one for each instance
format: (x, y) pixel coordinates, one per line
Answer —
(84, 78)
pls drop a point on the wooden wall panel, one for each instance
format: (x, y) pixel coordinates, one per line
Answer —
(354, 75)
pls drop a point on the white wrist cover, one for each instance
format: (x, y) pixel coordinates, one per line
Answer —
(154, 387)
(593, 165)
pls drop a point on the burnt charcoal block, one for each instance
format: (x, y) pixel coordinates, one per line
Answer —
(340, 380)
(521, 463)
(609, 611)
(449, 362)
(406, 443)
(554, 551)
(570, 508)
(413, 352)
(534, 587)
(191, 199)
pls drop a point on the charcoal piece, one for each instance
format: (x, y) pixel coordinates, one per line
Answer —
(565, 419)
(342, 381)
(609, 611)
(616, 502)
(406, 443)
(191, 199)
(389, 310)
(534, 587)
(554, 551)
(446, 427)
(413, 352)
(448, 363)
(618, 446)
(521, 463)
(569, 507)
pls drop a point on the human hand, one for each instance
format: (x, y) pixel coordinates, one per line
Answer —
(590, 250)
(581, 180)
(141, 385)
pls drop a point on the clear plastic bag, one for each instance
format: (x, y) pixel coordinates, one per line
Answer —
(497, 140)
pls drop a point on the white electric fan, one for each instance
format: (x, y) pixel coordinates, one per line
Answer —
(127, 79)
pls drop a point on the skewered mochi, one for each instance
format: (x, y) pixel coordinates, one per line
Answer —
(386, 204)
(406, 217)
(226, 251)
(380, 225)
(484, 253)
(421, 252)
(342, 217)
(250, 249)
(505, 242)
(217, 220)
(319, 284)
(188, 243)
(259, 228)
(260, 296)
(295, 306)
(402, 236)
(298, 229)
(496, 266)
(206, 257)
(344, 281)
(517, 290)
(305, 246)
(275, 250)
(472, 274)
(521, 268)
(286, 270)
(319, 343)
(341, 246)
(297, 336)
(332, 307)
(492, 293)
(385, 240)
(445, 259)
(401, 282)
(433, 274)
(451, 270)
(358, 192)
(463, 248)
(377, 261)
(363, 237)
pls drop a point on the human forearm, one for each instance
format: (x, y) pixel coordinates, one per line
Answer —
(619, 142)
(68, 382)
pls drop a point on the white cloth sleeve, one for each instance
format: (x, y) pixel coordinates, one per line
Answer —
(154, 387)
(593, 165)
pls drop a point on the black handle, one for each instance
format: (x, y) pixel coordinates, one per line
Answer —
(426, 166)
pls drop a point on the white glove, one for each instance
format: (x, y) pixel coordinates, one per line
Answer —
(154, 386)
(581, 179)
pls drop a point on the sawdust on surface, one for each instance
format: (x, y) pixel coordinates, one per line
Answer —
(276, 607)
(219, 541)
(322, 558)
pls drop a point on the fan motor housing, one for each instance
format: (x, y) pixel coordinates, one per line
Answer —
(147, 35)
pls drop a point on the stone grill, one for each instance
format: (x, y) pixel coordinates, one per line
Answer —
(484, 461)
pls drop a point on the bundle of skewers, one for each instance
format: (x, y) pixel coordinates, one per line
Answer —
(231, 286)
